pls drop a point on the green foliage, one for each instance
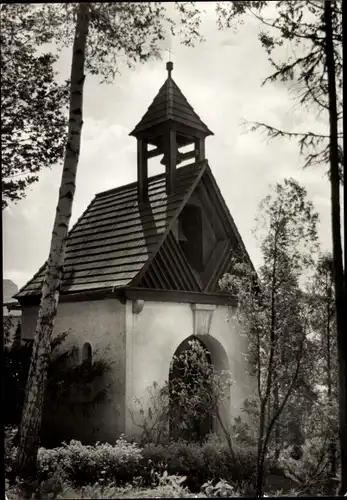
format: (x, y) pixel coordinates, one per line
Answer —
(11, 328)
(10, 449)
(168, 487)
(122, 33)
(16, 368)
(33, 122)
(322, 295)
(200, 463)
(312, 470)
(73, 385)
(33, 104)
(274, 314)
(69, 384)
(87, 464)
(153, 418)
(177, 465)
(196, 389)
(221, 489)
(299, 28)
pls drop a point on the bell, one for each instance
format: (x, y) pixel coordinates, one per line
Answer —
(164, 160)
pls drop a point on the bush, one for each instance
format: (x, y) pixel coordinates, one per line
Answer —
(311, 471)
(198, 463)
(87, 464)
(125, 463)
(10, 450)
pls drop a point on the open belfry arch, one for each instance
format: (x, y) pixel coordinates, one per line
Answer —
(169, 124)
(142, 268)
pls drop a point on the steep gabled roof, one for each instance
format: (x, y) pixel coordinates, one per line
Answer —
(170, 104)
(115, 237)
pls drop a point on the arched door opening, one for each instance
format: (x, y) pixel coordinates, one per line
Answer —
(190, 414)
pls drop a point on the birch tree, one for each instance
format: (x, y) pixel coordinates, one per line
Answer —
(103, 33)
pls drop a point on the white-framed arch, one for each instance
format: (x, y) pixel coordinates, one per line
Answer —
(218, 358)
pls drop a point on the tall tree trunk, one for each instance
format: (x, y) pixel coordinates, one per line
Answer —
(277, 425)
(30, 427)
(332, 444)
(260, 451)
(344, 79)
(337, 246)
(344, 341)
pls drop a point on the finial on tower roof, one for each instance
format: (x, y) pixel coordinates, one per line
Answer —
(169, 67)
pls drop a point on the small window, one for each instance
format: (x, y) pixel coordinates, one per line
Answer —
(87, 353)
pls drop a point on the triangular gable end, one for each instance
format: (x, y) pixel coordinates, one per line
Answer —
(187, 261)
(169, 269)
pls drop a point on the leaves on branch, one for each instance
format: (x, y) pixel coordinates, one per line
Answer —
(313, 147)
(276, 321)
(33, 123)
(299, 28)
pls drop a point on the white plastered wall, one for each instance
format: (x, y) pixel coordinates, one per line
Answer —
(156, 329)
(102, 324)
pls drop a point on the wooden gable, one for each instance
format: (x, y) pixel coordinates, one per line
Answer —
(174, 268)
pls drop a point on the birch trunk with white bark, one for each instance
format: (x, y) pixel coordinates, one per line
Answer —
(30, 427)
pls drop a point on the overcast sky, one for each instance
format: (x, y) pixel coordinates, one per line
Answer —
(221, 79)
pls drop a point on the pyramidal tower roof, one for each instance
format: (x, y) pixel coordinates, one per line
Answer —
(170, 104)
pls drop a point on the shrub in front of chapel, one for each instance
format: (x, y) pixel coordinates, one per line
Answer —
(86, 464)
(125, 462)
(198, 463)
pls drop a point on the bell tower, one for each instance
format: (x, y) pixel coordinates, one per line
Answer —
(169, 124)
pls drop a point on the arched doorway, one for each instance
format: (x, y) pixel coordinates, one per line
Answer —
(190, 416)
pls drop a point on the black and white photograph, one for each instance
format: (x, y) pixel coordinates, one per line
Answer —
(174, 259)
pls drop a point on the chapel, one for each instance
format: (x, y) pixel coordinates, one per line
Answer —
(141, 275)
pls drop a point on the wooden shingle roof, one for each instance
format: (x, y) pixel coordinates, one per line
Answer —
(170, 104)
(115, 237)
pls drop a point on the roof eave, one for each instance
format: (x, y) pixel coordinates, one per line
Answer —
(140, 129)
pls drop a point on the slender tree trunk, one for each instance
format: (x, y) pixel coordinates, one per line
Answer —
(230, 446)
(264, 441)
(267, 396)
(332, 444)
(337, 246)
(260, 454)
(344, 17)
(30, 427)
(277, 425)
(344, 77)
